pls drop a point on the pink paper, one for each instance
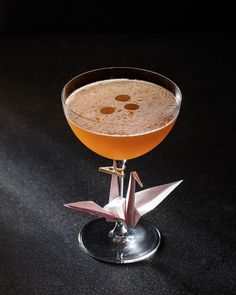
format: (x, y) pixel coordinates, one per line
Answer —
(131, 214)
(130, 209)
(114, 189)
(146, 200)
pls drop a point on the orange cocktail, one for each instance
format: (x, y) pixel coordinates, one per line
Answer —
(121, 147)
(121, 119)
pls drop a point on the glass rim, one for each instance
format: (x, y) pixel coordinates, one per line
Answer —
(177, 96)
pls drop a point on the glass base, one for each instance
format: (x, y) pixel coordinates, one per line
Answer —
(136, 244)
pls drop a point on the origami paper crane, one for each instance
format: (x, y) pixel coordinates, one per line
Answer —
(127, 210)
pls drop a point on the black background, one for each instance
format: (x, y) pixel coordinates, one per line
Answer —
(43, 165)
(115, 16)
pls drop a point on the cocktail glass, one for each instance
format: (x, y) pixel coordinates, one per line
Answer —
(101, 239)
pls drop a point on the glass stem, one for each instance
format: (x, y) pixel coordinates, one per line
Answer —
(120, 165)
(120, 229)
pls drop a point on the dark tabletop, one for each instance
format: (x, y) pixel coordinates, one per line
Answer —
(43, 166)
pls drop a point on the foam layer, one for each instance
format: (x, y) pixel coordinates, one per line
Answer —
(121, 107)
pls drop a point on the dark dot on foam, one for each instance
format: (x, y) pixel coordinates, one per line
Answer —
(107, 110)
(131, 106)
(122, 97)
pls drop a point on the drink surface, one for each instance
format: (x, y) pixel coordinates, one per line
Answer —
(122, 107)
(120, 118)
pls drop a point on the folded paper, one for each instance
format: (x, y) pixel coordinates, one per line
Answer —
(127, 210)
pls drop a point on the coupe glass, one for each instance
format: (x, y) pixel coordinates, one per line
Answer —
(107, 241)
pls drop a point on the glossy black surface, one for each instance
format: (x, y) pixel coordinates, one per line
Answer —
(43, 166)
